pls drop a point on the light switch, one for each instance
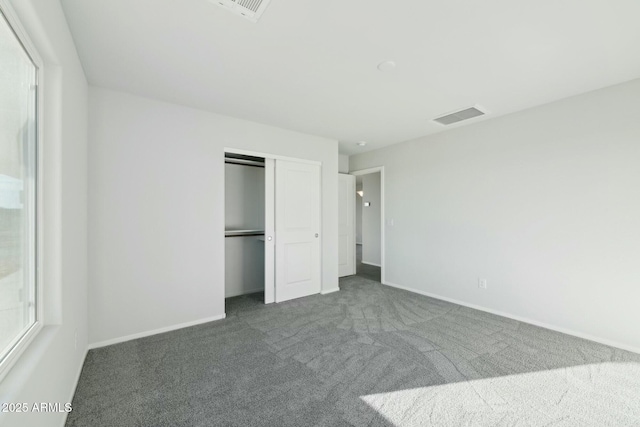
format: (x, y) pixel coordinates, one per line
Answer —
(367, 204)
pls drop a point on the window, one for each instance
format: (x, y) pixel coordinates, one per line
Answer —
(19, 296)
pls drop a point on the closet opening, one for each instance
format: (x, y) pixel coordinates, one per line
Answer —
(244, 226)
(272, 228)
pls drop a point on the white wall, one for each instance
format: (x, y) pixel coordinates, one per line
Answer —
(156, 208)
(243, 197)
(244, 265)
(371, 217)
(244, 210)
(343, 163)
(544, 204)
(48, 370)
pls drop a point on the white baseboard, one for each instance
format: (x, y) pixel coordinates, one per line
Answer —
(520, 319)
(75, 386)
(155, 332)
(330, 291)
(371, 263)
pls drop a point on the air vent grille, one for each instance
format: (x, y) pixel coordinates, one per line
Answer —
(252, 5)
(458, 116)
(249, 9)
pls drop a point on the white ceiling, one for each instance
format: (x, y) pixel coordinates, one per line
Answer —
(310, 65)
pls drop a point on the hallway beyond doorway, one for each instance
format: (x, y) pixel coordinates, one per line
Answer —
(367, 271)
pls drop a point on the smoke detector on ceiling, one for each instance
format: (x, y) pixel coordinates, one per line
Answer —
(249, 9)
(458, 116)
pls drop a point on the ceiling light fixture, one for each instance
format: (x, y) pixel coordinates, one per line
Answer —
(387, 66)
(361, 143)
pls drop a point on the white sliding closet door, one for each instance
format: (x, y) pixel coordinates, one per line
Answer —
(346, 225)
(297, 219)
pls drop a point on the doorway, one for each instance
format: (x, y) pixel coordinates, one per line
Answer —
(244, 225)
(370, 223)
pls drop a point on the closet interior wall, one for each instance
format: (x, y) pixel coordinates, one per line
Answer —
(244, 228)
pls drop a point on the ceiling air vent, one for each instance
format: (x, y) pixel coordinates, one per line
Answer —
(458, 116)
(250, 9)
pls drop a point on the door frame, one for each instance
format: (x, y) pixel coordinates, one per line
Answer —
(383, 220)
(270, 277)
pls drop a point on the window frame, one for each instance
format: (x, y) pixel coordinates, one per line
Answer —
(21, 343)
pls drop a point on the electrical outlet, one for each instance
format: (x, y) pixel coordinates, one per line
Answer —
(482, 283)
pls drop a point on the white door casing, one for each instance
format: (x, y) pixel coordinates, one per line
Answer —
(269, 231)
(346, 225)
(297, 227)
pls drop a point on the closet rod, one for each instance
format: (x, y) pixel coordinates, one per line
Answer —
(243, 233)
(244, 162)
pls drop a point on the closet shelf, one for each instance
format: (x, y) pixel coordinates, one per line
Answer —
(242, 233)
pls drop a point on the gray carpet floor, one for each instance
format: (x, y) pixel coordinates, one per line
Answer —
(369, 355)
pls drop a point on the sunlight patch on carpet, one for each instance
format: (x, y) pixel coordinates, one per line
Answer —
(602, 394)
